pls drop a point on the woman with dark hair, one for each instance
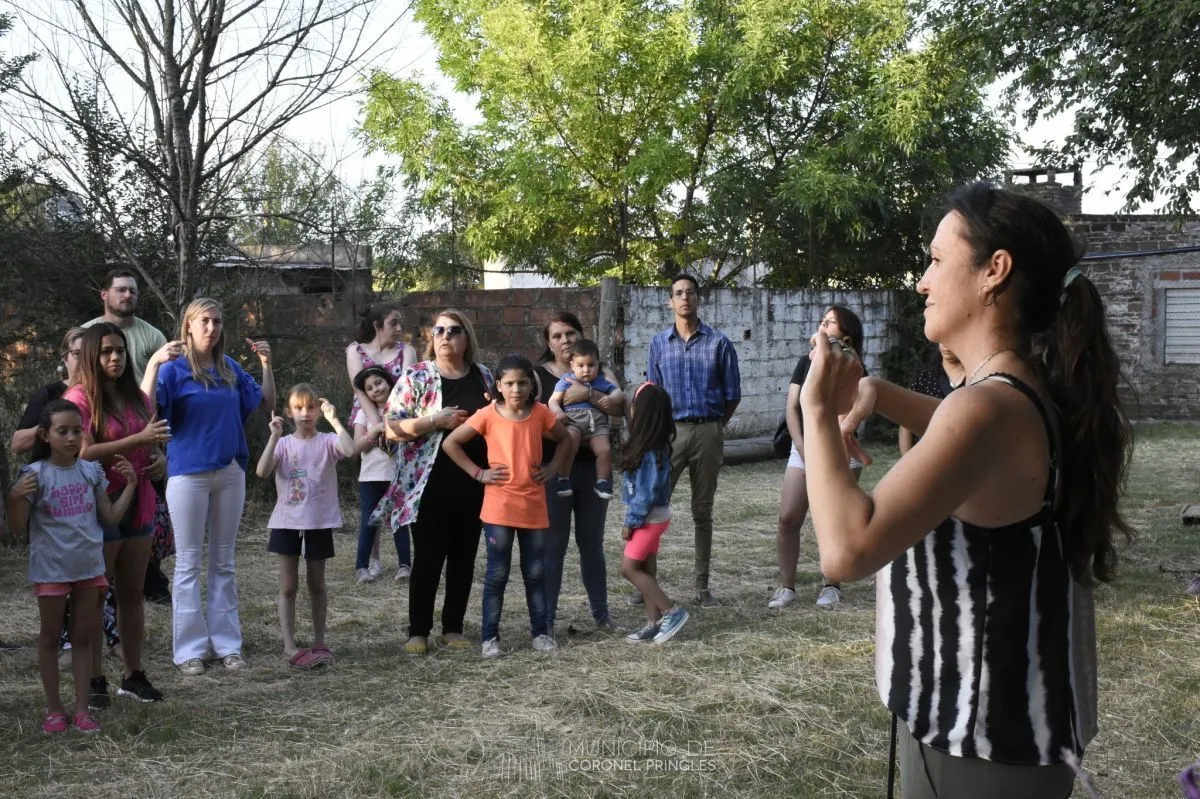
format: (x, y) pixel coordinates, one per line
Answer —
(430, 493)
(26, 432)
(378, 341)
(589, 510)
(840, 322)
(941, 375)
(989, 535)
(117, 420)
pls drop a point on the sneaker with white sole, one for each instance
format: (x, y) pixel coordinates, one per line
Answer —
(544, 643)
(374, 568)
(782, 598)
(491, 648)
(234, 662)
(192, 668)
(829, 597)
(562, 487)
(672, 622)
(363, 576)
(603, 489)
(136, 686)
(403, 572)
(644, 635)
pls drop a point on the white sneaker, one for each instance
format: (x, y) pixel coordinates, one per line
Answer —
(783, 597)
(830, 596)
(363, 576)
(402, 573)
(375, 568)
(544, 643)
(193, 667)
(491, 648)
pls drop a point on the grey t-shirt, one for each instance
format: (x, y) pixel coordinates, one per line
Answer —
(66, 542)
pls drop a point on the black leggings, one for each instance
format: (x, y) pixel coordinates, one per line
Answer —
(446, 532)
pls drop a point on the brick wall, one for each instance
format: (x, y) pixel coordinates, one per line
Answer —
(507, 321)
(1133, 291)
(769, 329)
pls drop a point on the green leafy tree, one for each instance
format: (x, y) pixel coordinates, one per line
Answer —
(636, 138)
(1128, 72)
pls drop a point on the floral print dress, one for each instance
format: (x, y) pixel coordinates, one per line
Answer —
(417, 393)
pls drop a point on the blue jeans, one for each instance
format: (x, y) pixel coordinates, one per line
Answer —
(590, 512)
(499, 541)
(369, 494)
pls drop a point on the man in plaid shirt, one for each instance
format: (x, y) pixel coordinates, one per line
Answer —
(698, 368)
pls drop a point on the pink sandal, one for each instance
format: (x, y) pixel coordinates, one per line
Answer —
(305, 659)
(324, 653)
(86, 722)
(55, 723)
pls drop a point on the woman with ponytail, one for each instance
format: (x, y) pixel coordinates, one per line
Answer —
(989, 534)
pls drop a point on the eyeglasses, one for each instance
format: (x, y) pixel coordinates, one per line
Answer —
(681, 293)
(449, 332)
(73, 353)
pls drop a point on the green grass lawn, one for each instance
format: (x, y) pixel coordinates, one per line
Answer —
(745, 702)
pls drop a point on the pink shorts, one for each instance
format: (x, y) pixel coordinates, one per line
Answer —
(65, 589)
(644, 540)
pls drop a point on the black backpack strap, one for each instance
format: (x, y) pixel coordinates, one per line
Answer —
(1023, 387)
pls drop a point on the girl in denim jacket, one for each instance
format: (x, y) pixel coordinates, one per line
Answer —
(646, 462)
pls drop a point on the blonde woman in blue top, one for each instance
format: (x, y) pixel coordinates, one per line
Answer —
(206, 397)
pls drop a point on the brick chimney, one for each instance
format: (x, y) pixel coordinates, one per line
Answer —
(1042, 182)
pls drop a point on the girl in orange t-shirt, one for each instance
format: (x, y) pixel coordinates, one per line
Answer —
(514, 501)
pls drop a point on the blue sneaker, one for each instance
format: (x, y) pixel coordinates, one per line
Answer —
(672, 621)
(603, 489)
(562, 486)
(644, 635)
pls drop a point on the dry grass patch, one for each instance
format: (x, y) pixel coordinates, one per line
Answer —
(746, 702)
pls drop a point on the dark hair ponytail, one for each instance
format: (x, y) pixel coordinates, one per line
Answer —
(652, 428)
(1082, 373)
(372, 316)
(1060, 319)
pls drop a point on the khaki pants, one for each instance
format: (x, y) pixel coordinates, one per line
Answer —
(700, 449)
(926, 773)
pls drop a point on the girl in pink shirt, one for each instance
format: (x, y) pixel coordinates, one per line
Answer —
(514, 501)
(304, 465)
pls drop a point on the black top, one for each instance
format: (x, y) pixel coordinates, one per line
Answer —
(548, 381)
(43, 397)
(465, 393)
(933, 381)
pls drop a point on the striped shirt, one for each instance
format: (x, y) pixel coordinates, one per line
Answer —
(985, 643)
(700, 374)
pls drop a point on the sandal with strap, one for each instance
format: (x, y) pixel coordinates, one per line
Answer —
(86, 722)
(324, 653)
(55, 723)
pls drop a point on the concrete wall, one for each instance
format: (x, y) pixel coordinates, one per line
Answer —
(769, 329)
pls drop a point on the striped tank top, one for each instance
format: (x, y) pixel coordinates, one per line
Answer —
(985, 643)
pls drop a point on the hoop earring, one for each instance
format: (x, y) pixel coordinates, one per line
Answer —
(987, 297)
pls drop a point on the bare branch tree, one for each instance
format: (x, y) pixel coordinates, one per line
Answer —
(195, 86)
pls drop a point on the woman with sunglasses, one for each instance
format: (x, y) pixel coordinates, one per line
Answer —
(439, 500)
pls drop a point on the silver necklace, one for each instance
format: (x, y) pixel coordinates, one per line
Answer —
(970, 380)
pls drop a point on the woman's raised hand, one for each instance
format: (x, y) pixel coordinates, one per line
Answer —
(262, 349)
(833, 379)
